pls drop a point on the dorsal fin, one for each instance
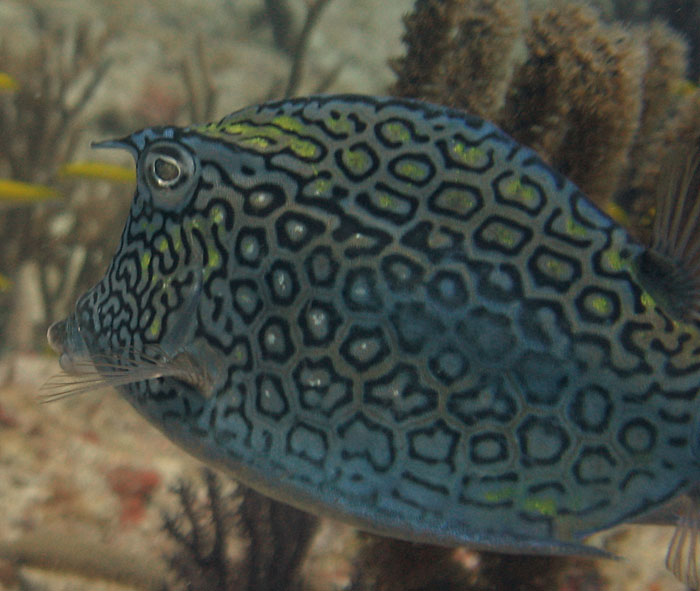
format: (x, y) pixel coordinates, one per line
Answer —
(670, 268)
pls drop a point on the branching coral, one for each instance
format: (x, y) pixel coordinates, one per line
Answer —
(40, 125)
(592, 98)
(277, 538)
(38, 122)
(198, 80)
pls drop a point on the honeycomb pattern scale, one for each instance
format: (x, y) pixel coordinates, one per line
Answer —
(403, 318)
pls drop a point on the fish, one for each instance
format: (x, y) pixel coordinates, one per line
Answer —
(390, 312)
(14, 192)
(8, 83)
(97, 170)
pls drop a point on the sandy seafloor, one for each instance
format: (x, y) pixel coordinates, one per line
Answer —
(58, 461)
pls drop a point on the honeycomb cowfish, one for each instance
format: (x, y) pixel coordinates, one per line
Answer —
(390, 312)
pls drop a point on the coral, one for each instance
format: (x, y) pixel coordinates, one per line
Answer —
(461, 53)
(301, 44)
(277, 538)
(383, 564)
(592, 98)
(577, 99)
(38, 121)
(199, 84)
(202, 93)
(682, 15)
(390, 565)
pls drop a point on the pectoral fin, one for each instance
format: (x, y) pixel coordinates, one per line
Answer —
(683, 557)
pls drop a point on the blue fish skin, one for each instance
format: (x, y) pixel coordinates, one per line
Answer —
(390, 312)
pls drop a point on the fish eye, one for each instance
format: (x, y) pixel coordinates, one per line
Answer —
(168, 170)
(165, 171)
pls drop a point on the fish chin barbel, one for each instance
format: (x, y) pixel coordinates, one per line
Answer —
(390, 312)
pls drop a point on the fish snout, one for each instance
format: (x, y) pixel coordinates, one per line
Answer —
(65, 339)
(57, 336)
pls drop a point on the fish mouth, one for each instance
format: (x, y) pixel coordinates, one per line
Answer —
(195, 365)
(65, 339)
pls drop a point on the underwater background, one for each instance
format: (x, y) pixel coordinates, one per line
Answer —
(91, 496)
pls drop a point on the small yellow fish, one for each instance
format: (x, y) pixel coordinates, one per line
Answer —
(8, 83)
(5, 283)
(18, 192)
(97, 170)
(617, 213)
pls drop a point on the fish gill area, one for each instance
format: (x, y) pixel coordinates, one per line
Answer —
(91, 496)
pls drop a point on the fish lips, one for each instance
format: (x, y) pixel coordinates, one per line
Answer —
(65, 339)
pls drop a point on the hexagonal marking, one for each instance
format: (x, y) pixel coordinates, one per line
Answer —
(489, 400)
(402, 274)
(591, 408)
(275, 340)
(460, 152)
(251, 247)
(550, 268)
(498, 283)
(295, 230)
(501, 234)
(384, 201)
(598, 305)
(360, 293)
(519, 191)
(448, 365)
(319, 322)
(362, 438)
(488, 448)
(320, 387)
(282, 282)
(262, 200)
(448, 289)
(307, 443)
(433, 241)
(435, 444)
(358, 161)
(394, 132)
(455, 200)
(401, 393)
(364, 347)
(360, 239)
(321, 267)
(239, 355)
(595, 465)
(416, 169)
(542, 440)
(246, 300)
(270, 398)
(637, 436)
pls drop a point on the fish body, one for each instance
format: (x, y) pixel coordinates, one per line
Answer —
(391, 312)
